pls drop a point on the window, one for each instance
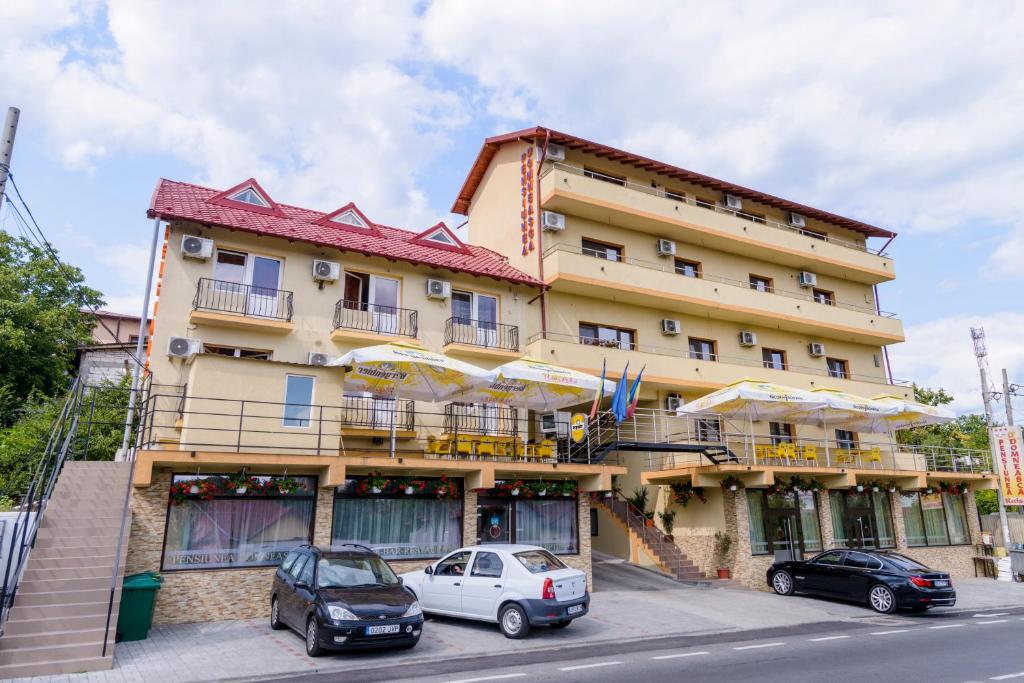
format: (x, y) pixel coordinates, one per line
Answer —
(780, 519)
(702, 349)
(594, 531)
(822, 296)
(235, 352)
(747, 216)
(488, 565)
(396, 525)
(298, 399)
(687, 268)
(601, 250)
(441, 236)
(469, 308)
(249, 196)
(350, 217)
(705, 203)
(675, 195)
(760, 283)
(846, 439)
(229, 266)
(838, 368)
(862, 520)
(539, 561)
(551, 523)
(298, 565)
(774, 359)
(603, 335)
(346, 572)
(602, 175)
(834, 557)
(709, 429)
(814, 233)
(453, 565)
(861, 561)
(255, 529)
(286, 566)
(934, 519)
(781, 432)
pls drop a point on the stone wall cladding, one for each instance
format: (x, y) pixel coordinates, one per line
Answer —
(698, 545)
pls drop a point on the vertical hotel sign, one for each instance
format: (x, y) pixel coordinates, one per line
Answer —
(1006, 450)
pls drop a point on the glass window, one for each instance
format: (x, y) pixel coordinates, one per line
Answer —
(602, 335)
(822, 296)
(862, 561)
(702, 349)
(956, 518)
(286, 566)
(454, 564)
(912, 520)
(603, 176)
(883, 519)
(774, 359)
(257, 529)
(809, 521)
(862, 520)
(934, 519)
(687, 268)
(845, 439)
(837, 368)
(539, 561)
(758, 538)
(249, 196)
(551, 524)
(355, 570)
(305, 574)
(830, 557)
(597, 249)
(761, 284)
(229, 266)
(709, 429)
(462, 307)
(298, 398)
(487, 564)
(300, 562)
(781, 432)
(904, 562)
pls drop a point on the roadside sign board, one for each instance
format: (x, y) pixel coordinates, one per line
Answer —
(1006, 453)
(578, 427)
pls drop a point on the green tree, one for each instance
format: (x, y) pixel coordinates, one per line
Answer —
(967, 431)
(41, 324)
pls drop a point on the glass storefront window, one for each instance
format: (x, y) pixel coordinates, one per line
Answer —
(956, 518)
(935, 519)
(551, 522)
(862, 520)
(758, 537)
(779, 521)
(809, 521)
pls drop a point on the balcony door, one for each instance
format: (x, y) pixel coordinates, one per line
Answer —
(246, 283)
(383, 300)
(264, 277)
(479, 312)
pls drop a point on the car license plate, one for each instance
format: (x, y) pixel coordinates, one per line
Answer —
(575, 609)
(381, 630)
(941, 583)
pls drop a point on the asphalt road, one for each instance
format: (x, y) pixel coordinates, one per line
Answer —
(934, 647)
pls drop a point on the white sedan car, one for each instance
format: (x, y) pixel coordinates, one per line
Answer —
(515, 586)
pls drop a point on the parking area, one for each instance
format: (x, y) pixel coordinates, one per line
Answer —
(628, 603)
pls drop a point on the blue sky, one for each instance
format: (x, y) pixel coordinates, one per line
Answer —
(907, 116)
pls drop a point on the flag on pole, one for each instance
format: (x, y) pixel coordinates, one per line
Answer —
(599, 396)
(619, 397)
(634, 394)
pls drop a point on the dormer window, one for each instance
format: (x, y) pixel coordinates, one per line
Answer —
(440, 237)
(350, 217)
(250, 196)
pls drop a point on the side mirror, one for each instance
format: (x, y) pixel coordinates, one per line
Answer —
(401, 581)
(429, 569)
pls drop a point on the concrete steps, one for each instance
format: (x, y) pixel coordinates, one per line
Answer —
(57, 624)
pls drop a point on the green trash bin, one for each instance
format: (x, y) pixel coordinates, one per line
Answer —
(138, 597)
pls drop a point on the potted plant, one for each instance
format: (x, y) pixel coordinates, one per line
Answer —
(668, 521)
(723, 544)
(376, 483)
(239, 482)
(732, 483)
(683, 492)
(639, 500)
(649, 519)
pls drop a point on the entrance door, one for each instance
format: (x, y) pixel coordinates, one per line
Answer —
(859, 522)
(384, 304)
(264, 277)
(494, 522)
(783, 535)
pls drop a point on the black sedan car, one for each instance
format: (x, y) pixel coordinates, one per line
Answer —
(886, 581)
(343, 599)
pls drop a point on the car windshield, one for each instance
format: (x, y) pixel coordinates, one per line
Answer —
(905, 563)
(538, 561)
(347, 572)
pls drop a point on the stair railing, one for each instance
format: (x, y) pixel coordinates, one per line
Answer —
(636, 521)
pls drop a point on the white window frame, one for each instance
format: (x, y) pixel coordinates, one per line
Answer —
(312, 402)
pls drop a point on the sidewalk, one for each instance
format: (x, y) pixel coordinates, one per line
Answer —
(249, 649)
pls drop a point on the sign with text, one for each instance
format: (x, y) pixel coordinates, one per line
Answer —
(1006, 452)
(578, 427)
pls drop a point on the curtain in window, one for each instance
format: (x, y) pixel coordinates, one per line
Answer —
(934, 519)
(399, 528)
(551, 524)
(911, 504)
(838, 500)
(809, 522)
(956, 518)
(758, 540)
(883, 520)
(235, 532)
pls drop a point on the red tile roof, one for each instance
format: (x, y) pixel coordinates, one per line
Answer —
(174, 200)
(538, 134)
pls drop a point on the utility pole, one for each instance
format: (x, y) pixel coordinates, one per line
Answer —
(981, 354)
(7, 146)
(1007, 393)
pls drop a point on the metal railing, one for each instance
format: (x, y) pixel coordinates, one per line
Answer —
(668, 266)
(481, 418)
(364, 317)
(693, 201)
(245, 300)
(482, 333)
(367, 412)
(706, 358)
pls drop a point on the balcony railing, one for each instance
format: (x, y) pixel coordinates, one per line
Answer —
(714, 358)
(668, 266)
(676, 198)
(220, 296)
(482, 333)
(367, 412)
(374, 318)
(479, 418)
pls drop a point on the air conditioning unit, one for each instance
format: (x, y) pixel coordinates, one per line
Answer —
(666, 248)
(183, 347)
(555, 153)
(326, 271)
(673, 402)
(731, 201)
(438, 289)
(669, 326)
(319, 358)
(816, 349)
(797, 221)
(748, 338)
(552, 222)
(196, 247)
(808, 279)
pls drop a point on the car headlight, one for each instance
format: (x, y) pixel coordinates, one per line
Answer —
(339, 613)
(414, 610)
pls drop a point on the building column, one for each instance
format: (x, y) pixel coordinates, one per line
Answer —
(899, 528)
(824, 501)
(973, 522)
(323, 521)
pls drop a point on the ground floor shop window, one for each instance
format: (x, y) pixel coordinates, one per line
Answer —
(935, 519)
(413, 519)
(230, 521)
(781, 521)
(862, 520)
(550, 521)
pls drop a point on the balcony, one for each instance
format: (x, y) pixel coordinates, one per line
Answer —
(369, 416)
(655, 284)
(677, 369)
(230, 304)
(468, 418)
(359, 321)
(565, 189)
(481, 338)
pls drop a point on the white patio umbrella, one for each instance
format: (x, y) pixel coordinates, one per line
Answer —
(535, 385)
(843, 409)
(912, 413)
(405, 370)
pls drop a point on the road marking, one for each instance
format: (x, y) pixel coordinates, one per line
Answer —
(684, 654)
(488, 678)
(946, 626)
(818, 640)
(1006, 676)
(993, 621)
(754, 647)
(587, 666)
(885, 633)
(994, 614)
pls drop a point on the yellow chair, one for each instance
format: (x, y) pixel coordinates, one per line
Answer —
(438, 447)
(485, 446)
(847, 455)
(463, 446)
(764, 452)
(810, 452)
(546, 450)
(786, 451)
(874, 454)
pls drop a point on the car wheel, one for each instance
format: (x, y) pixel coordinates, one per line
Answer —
(313, 648)
(513, 621)
(882, 599)
(561, 624)
(782, 582)
(275, 615)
